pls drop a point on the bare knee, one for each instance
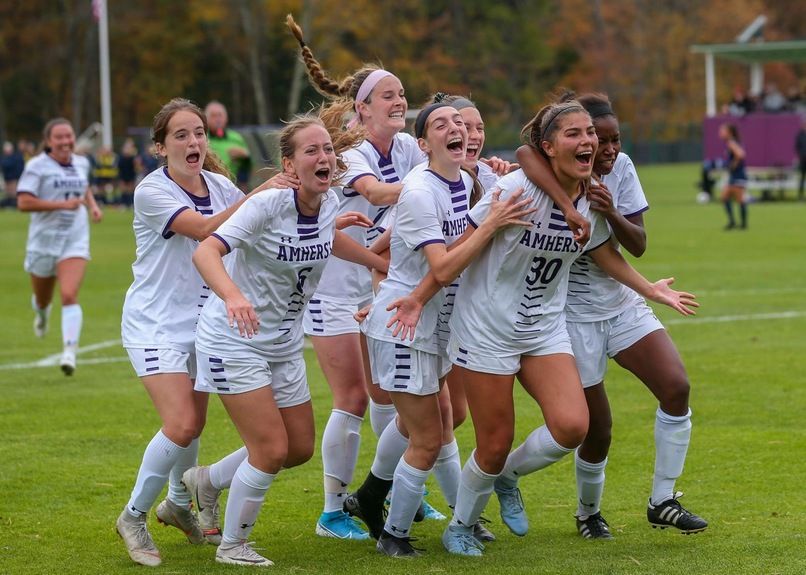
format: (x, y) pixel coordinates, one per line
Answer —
(354, 400)
(459, 414)
(597, 441)
(424, 448)
(184, 430)
(268, 455)
(69, 298)
(299, 453)
(673, 394)
(570, 431)
(493, 450)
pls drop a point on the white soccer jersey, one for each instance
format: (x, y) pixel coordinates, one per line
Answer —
(344, 281)
(430, 210)
(163, 303)
(486, 176)
(47, 179)
(367, 160)
(516, 289)
(279, 257)
(592, 294)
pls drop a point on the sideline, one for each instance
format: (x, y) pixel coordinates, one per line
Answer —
(732, 318)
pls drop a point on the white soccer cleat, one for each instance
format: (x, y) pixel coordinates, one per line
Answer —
(68, 362)
(135, 535)
(40, 325)
(169, 513)
(197, 481)
(240, 553)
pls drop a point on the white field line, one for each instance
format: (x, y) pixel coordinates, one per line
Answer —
(734, 318)
(53, 360)
(749, 292)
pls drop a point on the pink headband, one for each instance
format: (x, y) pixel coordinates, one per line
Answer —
(366, 88)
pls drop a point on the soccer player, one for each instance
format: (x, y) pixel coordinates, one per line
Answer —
(508, 320)
(737, 175)
(607, 319)
(372, 183)
(430, 216)
(175, 207)
(54, 187)
(281, 240)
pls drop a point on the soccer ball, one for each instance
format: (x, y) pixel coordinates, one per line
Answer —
(703, 198)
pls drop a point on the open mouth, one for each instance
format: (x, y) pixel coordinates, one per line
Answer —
(472, 151)
(398, 115)
(585, 158)
(193, 159)
(455, 144)
(323, 174)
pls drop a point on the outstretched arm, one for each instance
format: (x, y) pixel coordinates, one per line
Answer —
(614, 264)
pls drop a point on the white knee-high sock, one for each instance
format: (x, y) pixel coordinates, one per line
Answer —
(223, 470)
(475, 489)
(340, 443)
(189, 458)
(380, 415)
(391, 446)
(590, 484)
(160, 456)
(538, 451)
(672, 436)
(246, 495)
(448, 471)
(72, 318)
(407, 493)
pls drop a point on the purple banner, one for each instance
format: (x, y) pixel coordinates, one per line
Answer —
(768, 139)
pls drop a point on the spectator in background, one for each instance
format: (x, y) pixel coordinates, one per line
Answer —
(127, 171)
(105, 174)
(228, 145)
(773, 100)
(741, 103)
(13, 165)
(148, 162)
(800, 148)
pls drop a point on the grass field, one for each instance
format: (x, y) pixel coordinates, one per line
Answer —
(71, 446)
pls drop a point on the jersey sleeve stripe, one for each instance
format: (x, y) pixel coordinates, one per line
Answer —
(597, 246)
(359, 176)
(471, 222)
(641, 211)
(166, 231)
(426, 242)
(222, 240)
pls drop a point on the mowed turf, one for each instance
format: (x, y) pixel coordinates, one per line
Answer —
(71, 446)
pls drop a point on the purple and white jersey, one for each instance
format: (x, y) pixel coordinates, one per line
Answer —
(343, 281)
(367, 160)
(592, 294)
(164, 301)
(47, 179)
(516, 289)
(279, 257)
(486, 176)
(431, 209)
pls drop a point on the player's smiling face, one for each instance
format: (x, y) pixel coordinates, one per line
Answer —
(445, 138)
(61, 142)
(185, 144)
(475, 136)
(385, 114)
(314, 159)
(609, 138)
(573, 146)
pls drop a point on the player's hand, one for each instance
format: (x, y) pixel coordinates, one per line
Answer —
(362, 314)
(280, 181)
(407, 314)
(240, 313)
(72, 203)
(579, 225)
(96, 213)
(348, 219)
(512, 211)
(499, 166)
(601, 199)
(682, 302)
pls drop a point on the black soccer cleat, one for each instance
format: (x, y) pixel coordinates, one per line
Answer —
(594, 527)
(671, 514)
(371, 515)
(400, 547)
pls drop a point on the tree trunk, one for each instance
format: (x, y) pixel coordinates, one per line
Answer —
(246, 9)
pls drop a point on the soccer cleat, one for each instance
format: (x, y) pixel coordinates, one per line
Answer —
(135, 535)
(459, 540)
(396, 546)
(240, 553)
(68, 362)
(481, 533)
(40, 324)
(671, 514)
(513, 513)
(205, 497)
(431, 513)
(371, 515)
(169, 513)
(594, 527)
(339, 525)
